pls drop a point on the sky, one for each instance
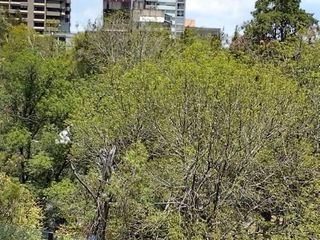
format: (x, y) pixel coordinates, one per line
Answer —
(225, 14)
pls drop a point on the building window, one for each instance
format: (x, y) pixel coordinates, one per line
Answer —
(181, 6)
(39, 16)
(38, 24)
(39, 8)
(180, 13)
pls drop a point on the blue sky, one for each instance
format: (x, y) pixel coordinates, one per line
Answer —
(207, 13)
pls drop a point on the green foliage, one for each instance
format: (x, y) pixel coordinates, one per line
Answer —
(35, 94)
(17, 205)
(278, 20)
(8, 232)
(169, 106)
(70, 204)
(16, 138)
(209, 143)
(40, 163)
(4, 26)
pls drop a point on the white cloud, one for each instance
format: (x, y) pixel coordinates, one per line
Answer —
(220, 13)
(219, 6)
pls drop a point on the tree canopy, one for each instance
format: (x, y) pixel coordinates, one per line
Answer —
(277, 19)
(108, 139)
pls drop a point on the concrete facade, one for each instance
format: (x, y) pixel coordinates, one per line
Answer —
(115, 5)
(45, 16)
(170, 12)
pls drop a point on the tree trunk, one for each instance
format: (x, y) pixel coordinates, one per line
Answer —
(102, 200)
(100, 222)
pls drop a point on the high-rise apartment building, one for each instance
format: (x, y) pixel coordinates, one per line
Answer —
(173, 11)
(45, 16)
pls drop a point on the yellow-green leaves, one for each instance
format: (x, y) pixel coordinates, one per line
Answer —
(17, 205)
(16, 138)
(40, 163)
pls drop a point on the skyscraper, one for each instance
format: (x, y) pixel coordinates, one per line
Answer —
(173, 10)
(45, 16)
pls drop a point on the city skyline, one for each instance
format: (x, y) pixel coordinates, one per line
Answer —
(207, 13)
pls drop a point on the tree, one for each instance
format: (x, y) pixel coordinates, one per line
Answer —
(278, 20)
(7, 20)
(4, 26)
(101, 47)
(120, 139)
(33, 87)
(207, 147)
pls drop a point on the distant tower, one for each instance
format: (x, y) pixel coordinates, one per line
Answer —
(44, 16)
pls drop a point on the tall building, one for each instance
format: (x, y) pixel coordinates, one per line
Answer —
(45, 16)
(173, 11)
